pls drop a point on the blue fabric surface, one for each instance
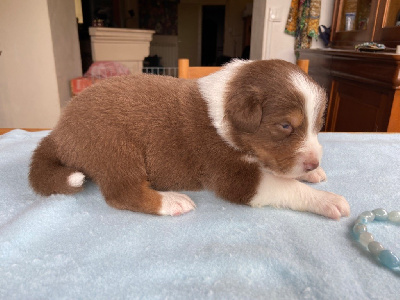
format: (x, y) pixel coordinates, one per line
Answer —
(77, 247)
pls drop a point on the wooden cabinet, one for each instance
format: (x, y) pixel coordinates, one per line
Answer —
(356, 107)
(358, 21)
(363, 88)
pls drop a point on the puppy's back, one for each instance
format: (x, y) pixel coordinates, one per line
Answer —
(147, 115)
(115, 99)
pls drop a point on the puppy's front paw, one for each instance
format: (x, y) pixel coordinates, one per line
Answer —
(331, 205)
(314, 176)
(175, 204)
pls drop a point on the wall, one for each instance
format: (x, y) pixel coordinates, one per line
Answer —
(325, 19)
(30, 93)
(189, 32)
(282, 44)
(166, 47)
(258, 30)
(233, 38)
(268, 37)
(28, 89)
(131, 21)
(67, 57)
(189, 27)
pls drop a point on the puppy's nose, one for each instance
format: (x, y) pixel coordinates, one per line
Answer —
(309, 166)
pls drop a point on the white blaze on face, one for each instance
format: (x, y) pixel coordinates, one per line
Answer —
(311, 151)
(213, 88)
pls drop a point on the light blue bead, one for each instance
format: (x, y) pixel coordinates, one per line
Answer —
(375, 248)
(394, 216)
(388, 258)
(361, 220)
(369, 215)
(380, 214)
(358, 229)
(366, 238)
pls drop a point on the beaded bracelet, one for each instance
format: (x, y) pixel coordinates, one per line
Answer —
(386, 257)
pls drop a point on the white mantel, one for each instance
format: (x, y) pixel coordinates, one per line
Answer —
(127, 46)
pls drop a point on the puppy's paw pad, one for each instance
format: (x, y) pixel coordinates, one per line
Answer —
(314, 176)
(333, 206)
(76, 179)
(175, 204)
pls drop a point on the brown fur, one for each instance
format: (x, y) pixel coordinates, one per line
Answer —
(139, 134)
(266, 89)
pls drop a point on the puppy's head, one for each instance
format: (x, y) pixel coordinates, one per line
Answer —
(274, 112)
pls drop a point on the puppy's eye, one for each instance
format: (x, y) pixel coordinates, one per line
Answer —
(286, 127)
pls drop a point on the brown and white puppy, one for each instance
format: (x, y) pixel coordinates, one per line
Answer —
(246, 132)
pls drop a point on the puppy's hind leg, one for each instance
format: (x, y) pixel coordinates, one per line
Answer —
(175, 204)
(132, 191)
(49, 176)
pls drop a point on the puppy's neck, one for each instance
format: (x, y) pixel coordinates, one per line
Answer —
(213, 89)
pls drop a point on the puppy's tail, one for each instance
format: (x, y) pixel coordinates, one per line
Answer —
(49, 176)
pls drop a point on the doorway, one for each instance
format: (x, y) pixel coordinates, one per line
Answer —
(212, 34)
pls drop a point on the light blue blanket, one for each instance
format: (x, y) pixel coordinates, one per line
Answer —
(77, 247)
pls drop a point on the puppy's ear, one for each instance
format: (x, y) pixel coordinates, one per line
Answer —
(244, 114)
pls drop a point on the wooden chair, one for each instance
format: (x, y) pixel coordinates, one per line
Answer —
(303, 64)
(185, 71)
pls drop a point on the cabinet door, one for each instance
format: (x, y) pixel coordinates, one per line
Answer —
(353, 22)
(388, 23)
(355, 107)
